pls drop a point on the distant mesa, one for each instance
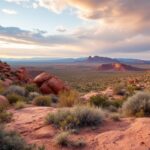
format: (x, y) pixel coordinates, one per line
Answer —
(98, 59)
(111, 67)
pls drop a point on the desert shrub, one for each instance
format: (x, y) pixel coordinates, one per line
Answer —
(54, 98)
(12, 141)
(120, 89)
(5, 116)
(33, 95)
(31, 87)
(62, 139)
(16, 89)
(20, 105)
(2, 88)
(137, 105)
(99, 101)
(42, 101)
(76, 117)
(68, 98)
(13, 98)
(131, 89)
(117, 103)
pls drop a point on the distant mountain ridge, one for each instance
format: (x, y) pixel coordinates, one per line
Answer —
(90, 59)
(98, 59)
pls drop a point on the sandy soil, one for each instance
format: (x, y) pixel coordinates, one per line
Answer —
(127, 134)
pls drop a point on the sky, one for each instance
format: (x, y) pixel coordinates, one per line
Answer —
(75, 28)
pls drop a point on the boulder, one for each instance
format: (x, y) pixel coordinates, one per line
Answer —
(49, 84)
(56, 84)
(41, 78)
(7, 82)
(45, 89)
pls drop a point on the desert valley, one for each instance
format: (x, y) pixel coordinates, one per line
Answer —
(89, 105)
(74, 74)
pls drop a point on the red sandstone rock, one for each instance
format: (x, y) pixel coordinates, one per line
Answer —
(56, 84)
(3, 101)
(45, 89)
(49, 83)
(7, 82)
(42, 78)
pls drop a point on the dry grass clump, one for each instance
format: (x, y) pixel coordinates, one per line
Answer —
(76, 117)
(14, 98)
(63, 139)
(68, 98)
(137, 105)
(42, 101)
(20, 105)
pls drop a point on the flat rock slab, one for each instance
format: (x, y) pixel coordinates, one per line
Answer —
(127, 134)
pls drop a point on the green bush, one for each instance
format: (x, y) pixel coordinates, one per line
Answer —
(42, 101)
(31, 87)
(20, 105)
(13, 98)
(12, 141)
(76, 117)
(16, 89)
(68, 98)
(99, 101)
(5, 116)
(137, 105)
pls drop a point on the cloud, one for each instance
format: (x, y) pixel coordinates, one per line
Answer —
(56, 6)
(9, 11)
(82, 41)
(61, 29)
(17, 1)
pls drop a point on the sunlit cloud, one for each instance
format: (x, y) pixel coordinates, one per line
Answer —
(9, 11)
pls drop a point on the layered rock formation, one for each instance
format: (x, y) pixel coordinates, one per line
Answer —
(9, 75)
(49, 83)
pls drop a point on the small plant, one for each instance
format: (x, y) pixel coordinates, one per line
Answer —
(62, 139)
(99, 101)
(76, 117)
(14, 98)
(20, 105)
(33, 95)
(16, 89)
(12, 141)
(42, 101)
(137, 105)
(31, 87)
(68, 98)
(5, 116)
